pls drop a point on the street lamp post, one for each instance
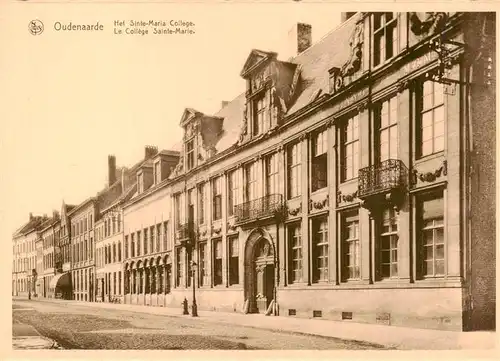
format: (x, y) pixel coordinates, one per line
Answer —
(189, 244)
(194, 312)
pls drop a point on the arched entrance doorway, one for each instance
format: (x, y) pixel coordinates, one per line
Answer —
(260, 272)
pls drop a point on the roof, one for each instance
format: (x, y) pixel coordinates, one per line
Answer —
(49, 222)
(333, 50)
(81, 205)
(125, 196)
(28, 227)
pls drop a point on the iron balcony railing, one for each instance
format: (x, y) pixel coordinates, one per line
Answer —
(185, 231)
(382, 177)
(267, 206)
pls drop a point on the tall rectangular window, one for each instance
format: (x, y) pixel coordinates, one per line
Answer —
(351, 255)
(233, 191)
(157, 174)
(388, 251)
(272, 174)
(294, 170)
(234, 269)
(119, 282)
(295, 253)
(165, 235)
(179, 266)
(145, 241)
(132, 245)
(154, 247)
(119, 251)
(190, 204)
(260, 118)
(431, 235)
(319, 171)
(251, 176)
(217, 198)
(180, 208)
(140, 183)
(217, 261)
(201, 203)
(320, 249)
(190, 154)
(350, 148)
(387, 118)
(202, 263)
(126, 247)
(119, 222)
(430, 132)
(114, 252)
(385, 37)
(139, 239)
(158, 235)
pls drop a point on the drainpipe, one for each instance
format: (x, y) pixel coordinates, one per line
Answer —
(470, 173)
(277, 271)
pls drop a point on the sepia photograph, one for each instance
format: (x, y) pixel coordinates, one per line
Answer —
(249, 177)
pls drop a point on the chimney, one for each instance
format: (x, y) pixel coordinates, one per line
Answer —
(150, 151)
(111, 169)
(300, 38)
(31, 216)
(55, 214)
(224, 103)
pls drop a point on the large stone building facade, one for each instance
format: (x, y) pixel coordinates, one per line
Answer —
(353, 181)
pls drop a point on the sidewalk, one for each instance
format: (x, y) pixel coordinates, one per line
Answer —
(403, 338)
(26, 337)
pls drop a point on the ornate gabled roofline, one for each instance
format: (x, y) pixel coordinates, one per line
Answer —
(265, 55)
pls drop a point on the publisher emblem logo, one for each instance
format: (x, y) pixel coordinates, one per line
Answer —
(35, 27)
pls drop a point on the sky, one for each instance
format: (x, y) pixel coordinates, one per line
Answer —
(73, 98)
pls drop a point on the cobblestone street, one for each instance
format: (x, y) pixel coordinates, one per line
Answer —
(74, 326)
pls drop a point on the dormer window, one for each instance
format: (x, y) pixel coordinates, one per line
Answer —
(140, 183)
(157, 173)
(190, 154)
(260, 118)
(385, 37)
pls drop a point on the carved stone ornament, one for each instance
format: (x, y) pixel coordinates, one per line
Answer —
(356, 43)
(430, 176)
(266, 249)
(203, 233)
(428, 23)
(330, 122)
(260, 80)
(178, 168)
(318, 204)
(362, 106)
(349, 197)
(296, 210)
(244, 126)
(216, 230)
(403, 85)
(230, 226)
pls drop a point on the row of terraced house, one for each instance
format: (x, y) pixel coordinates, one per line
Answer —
(354, 181)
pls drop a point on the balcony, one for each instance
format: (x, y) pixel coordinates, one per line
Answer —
(386, 178)
(184, 231)
(260, 208)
